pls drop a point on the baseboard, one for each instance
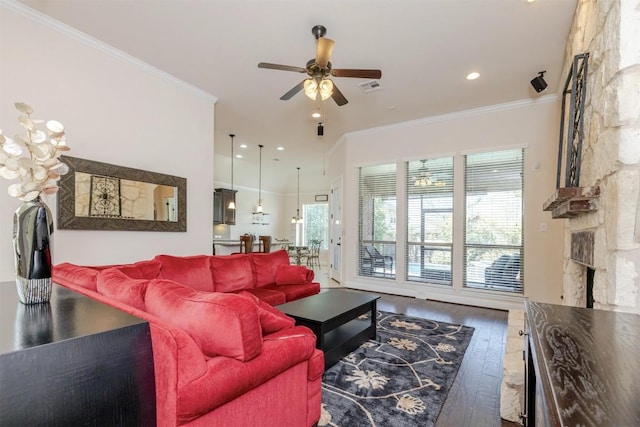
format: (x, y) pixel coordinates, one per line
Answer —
(474, 297)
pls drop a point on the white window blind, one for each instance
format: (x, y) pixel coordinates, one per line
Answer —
(494, 251)
(429, 220)
(377, 227)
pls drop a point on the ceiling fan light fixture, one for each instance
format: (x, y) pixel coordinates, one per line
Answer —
(313, 88)
(326, 89)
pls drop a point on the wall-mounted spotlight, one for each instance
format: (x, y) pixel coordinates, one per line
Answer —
(538, 82)
(320, 129)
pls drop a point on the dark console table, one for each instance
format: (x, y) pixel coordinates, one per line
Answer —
(583, 367)
(73, 362)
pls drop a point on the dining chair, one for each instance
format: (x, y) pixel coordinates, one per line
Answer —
(265, 244)
(314, 253)
(246, 244)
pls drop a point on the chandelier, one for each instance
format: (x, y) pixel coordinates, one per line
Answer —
(297, 219)
(259, 207)
(423, 179)
(232, 203)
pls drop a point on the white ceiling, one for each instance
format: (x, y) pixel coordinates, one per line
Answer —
(425, 48)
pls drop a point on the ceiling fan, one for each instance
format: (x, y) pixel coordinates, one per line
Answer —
(318, 84)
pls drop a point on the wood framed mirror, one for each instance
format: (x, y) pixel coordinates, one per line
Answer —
(100, 196)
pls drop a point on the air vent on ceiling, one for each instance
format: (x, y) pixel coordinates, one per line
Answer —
(370, 86)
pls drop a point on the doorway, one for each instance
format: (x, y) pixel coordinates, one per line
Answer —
(335, 225)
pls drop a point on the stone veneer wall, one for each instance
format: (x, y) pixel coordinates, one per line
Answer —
(512, 388)
(610, 31)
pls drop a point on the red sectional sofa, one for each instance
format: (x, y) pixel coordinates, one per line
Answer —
(223, 356)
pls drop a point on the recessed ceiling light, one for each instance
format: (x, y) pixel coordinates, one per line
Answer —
(316, 115)
(243, 145)
(529, 1)
(238, 156)
(473, 76)
(280, 148)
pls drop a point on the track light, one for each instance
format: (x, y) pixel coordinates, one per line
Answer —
(538, 82)
(320, 129)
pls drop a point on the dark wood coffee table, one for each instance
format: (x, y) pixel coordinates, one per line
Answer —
(332, 316)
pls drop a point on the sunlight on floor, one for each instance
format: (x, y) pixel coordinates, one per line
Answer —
(322, 277)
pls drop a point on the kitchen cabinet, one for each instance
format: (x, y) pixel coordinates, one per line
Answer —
(221, 212)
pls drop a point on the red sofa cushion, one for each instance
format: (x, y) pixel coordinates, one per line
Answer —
(142, 269)
(86, 277)
(231, 273)
(294, 292)
(271, 319)
(293, 275)
(270, 296)
(266, 265)
(229, 379)
(193, 271)
(221, 324)
(116, 284)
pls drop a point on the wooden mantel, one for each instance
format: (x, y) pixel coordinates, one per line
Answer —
(568, 202)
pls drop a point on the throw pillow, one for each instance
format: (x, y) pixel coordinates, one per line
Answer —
(221, 324)
(266, 266)
(231, 273)
(293, 275)
(271, 319)
(193, 271)
(115, 283)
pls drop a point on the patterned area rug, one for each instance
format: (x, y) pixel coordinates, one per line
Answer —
(399, 379)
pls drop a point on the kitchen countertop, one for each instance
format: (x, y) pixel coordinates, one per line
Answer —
(237, 242)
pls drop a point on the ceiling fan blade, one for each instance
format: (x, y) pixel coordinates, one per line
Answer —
(338, 96)
(297, 88)
(363, 74)
(323, 51)
(281, 67)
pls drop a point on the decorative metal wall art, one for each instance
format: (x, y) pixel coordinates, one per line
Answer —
(577, 78)
(104, 198)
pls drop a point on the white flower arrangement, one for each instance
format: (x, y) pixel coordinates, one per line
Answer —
(34, 160)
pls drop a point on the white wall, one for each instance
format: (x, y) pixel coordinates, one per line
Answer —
(116, 111)
(533, 124)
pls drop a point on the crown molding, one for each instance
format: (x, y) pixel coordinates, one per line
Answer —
(46, 20)
(458, 115)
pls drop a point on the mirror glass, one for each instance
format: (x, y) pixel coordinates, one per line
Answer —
(109, 197)
(101, 196)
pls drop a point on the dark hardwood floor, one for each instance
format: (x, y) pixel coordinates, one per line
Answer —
(474, 399)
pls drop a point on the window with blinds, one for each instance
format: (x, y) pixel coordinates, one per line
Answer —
(377, 227)
(316, 224)
(429, 220)
(493, 247)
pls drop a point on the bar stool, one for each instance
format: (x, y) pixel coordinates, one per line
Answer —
(246, 244)
(265, 244)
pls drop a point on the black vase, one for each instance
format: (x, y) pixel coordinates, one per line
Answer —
(32, 229)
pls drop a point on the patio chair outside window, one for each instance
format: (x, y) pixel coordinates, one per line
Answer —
(374, 259)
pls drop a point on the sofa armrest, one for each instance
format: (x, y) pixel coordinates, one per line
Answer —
(177, 358)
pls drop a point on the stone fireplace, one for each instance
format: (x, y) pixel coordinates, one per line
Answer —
(602, 218)
(607, 238)
(582, 253)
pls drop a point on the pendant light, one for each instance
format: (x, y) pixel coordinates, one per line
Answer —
(259, 207)
(297, 219)
(232, 203)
